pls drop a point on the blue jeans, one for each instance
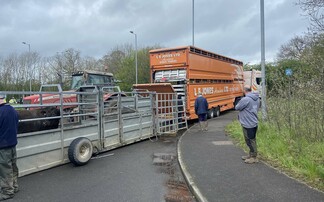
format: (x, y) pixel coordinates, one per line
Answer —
(202, 117)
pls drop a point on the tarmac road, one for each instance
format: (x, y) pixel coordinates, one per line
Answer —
(123, 174)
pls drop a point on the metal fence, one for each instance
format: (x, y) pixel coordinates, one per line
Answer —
(108, 119)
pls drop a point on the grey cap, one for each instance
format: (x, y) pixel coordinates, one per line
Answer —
(2, 96)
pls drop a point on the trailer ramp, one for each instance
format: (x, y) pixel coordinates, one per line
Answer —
(168, 107)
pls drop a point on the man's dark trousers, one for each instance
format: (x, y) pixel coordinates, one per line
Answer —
(8, 172)
(250, 140)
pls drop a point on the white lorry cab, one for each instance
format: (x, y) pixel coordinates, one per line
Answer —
(253, 78)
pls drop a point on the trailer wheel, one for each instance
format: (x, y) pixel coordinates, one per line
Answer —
(211, 113)
(217, 111)
(80, 151)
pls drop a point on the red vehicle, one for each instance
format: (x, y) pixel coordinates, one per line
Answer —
(80, 78)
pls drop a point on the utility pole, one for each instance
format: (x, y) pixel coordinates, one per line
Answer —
(193, 22)
(263, 95)
(30, 88)
(135, 53)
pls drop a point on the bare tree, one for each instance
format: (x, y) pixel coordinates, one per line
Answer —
(90, 63)
(58, 68)
(33, 68)
(62, 65)
(315, 10)
(19, 72)
(294, 48)
(72, 60)
(9, 71)
(112, 61)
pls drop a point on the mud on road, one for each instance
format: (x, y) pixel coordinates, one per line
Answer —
(167, 163)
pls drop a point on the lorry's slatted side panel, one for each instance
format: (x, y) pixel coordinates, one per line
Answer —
(218, 78)
(213, 55)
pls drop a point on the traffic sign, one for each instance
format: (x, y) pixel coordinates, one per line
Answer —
(288, 72)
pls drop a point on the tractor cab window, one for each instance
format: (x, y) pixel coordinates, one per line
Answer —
(91, 79)
(76, 81)
(99, 79)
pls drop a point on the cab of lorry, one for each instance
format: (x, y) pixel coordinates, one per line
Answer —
(253, 78)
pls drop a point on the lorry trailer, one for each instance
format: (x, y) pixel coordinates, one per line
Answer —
(96, 126)
(191, 70)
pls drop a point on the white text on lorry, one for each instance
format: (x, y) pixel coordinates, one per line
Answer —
(212, 90)
(168, 56)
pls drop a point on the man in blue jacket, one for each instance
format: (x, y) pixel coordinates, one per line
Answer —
(8, 156)
(201, 109)
(248, 117)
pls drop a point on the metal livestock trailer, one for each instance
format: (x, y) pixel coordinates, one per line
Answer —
(94, 125)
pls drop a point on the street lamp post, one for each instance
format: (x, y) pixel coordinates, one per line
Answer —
(263, 95)
(193, 22)
(135, 53)
(30, 89)
(28, 45)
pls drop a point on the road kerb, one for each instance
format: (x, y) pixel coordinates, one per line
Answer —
(187, 175)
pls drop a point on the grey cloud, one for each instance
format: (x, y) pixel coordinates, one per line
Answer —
(226, 27)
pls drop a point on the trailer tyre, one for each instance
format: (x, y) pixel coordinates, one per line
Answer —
(80, 151)
(217, 112)
(211, 113)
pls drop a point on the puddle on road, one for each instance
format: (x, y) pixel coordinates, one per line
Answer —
(166, 139)
(178, 190)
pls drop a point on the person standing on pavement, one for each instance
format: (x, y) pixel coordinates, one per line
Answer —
(8, 155)
(201, 109)
(248, 117)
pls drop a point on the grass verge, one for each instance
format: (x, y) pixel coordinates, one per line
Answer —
(297, 157)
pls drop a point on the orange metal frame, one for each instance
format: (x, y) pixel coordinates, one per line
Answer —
(218, 78)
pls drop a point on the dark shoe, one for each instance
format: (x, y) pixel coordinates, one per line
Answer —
(251, 160)
(246, 157)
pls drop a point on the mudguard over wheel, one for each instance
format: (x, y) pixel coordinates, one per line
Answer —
(80, 151)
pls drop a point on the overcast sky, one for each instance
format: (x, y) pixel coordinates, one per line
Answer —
(95, 27)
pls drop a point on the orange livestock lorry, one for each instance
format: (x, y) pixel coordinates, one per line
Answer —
(191, 70)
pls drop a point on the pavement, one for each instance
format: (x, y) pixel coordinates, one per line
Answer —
(212, 166)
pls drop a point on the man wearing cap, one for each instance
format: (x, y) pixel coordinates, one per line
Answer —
(201, 109)
(248, 117)
(8, 156)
